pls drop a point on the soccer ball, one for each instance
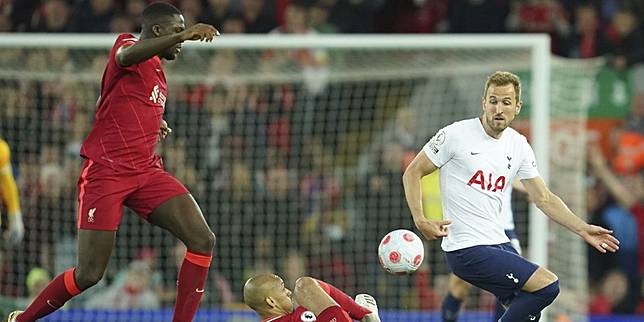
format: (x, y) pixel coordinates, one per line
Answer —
(401, 252)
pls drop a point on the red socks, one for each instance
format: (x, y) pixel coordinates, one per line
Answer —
(190, 286)
(53, 297)
(354, 309)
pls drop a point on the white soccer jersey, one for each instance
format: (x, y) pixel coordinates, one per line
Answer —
(507, 215)
(476, 169)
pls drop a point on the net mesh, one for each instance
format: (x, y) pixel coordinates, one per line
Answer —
(295, 157)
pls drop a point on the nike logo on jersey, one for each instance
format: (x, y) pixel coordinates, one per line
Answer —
(199, 290)
(532, 317)
(475, 153)
(90, 215)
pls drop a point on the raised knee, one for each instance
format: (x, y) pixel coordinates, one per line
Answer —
(554, 288)
(211, 240)
(549, 292)
(203, 243)
(86, 278)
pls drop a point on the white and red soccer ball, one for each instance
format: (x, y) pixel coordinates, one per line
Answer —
(401, 252)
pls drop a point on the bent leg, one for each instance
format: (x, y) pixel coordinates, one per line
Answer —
(309, 294)
(539, 291)
(182, 217)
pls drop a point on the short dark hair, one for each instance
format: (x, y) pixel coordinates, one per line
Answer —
(157, 11)
(501, 78)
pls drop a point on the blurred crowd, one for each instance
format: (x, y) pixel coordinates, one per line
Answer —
(579, 28)
(273, 163)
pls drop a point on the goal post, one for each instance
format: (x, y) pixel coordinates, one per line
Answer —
(293, 146)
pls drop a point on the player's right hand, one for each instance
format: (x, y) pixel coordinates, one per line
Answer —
(200, 31)
(432, 229)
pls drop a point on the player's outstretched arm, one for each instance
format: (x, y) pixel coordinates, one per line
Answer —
(556, 209)
(145, 49)
(417, 169)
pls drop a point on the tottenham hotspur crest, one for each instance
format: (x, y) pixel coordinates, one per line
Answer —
(307, 316)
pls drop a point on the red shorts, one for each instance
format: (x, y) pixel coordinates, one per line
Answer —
(102, 193)
(334, 314)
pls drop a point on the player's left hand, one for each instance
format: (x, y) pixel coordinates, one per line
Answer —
(600, 238)
(16, 230)
(164, 130)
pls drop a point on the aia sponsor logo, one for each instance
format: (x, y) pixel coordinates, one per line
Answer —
(489, 182)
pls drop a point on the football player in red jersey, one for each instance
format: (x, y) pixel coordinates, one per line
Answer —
(312, 300)
(122, 169)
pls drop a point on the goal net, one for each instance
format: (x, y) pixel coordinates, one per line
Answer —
(294, 148)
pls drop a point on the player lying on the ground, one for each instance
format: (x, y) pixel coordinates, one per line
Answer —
(311, 300)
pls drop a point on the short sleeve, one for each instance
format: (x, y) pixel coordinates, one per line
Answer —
(528, 168)
(440, 148)
(123, 40)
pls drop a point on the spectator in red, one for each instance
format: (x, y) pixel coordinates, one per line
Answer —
(586, 39)
(540, 16)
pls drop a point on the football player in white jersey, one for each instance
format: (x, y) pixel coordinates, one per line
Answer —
(478, 159)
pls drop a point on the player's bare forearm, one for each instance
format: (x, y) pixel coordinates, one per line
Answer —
(417, 169)
(557, 210)
(413, 193)
(552, 205)
(145, 49)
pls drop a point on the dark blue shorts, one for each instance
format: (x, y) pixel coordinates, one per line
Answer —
(497, 269)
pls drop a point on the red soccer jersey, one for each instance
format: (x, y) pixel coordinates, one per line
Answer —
(128, 114)
(299, 315)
